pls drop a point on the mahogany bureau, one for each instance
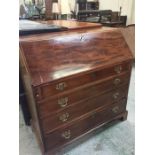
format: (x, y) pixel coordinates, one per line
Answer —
(76, 82)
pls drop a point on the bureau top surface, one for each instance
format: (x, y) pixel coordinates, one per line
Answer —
(49, 57)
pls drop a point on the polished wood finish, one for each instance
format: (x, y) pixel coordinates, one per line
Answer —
(81, 109)
(49, 106)
(76, 81)
(49, 90)
(97, 50)
(83, 125)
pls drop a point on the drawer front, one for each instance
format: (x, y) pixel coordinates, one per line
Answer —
(60, 119)
(68, 99)
(46, 91)
(66, 134)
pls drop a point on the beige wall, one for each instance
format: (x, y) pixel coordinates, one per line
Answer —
(109, 4)
(20, 2)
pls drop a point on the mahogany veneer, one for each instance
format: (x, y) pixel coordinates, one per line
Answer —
(76, 82)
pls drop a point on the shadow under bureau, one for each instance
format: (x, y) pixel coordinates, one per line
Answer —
(75, 82)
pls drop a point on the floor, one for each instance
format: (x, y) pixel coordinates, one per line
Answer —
(115, 140)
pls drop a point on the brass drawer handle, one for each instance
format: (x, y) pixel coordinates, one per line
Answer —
(64, 117)
(118, 69)
(66, 134)
(116, 95)
(63, 102)
(117, 81)
(115, 110)
(61, 86)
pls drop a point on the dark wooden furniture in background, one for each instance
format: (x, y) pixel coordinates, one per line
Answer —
(105, 17)
(76, 81)
(89, 16)
(48, 6)
(112, 19)
(86, 5)
(88, 10)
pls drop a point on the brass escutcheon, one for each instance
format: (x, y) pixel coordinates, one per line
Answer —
(117, 81)
(63, 102)
(61, 86)
(118, 69)
(66, 134)
(116, 95)
(115, 110)
(64, 117)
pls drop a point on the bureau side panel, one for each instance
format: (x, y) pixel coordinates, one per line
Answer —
(31, 102)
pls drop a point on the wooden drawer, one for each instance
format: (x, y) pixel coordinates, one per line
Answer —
(61, 102)
(72, 113)
(66, 134)
(43, 92)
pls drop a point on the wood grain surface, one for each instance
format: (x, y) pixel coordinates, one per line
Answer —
(65, 55)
